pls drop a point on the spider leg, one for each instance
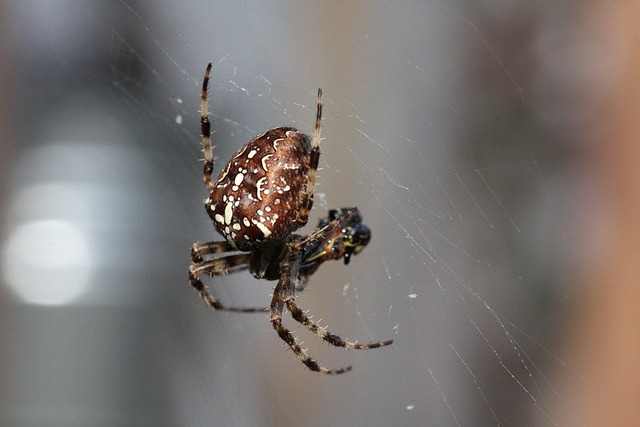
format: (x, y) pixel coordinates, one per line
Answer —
(318, 236)
(283, 292)
(322, 333)
(303, 215)
(208, 248)
(229, 264)
(205, 126)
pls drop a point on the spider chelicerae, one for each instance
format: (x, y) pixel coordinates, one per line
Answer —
(261, 197)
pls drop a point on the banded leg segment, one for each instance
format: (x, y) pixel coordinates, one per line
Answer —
(205, 126)
(200, 249)
(303, 215)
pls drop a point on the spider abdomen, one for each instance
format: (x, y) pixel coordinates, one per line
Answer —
(260, 192)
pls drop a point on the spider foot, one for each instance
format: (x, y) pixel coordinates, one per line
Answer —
(314, 366)
(376, 344)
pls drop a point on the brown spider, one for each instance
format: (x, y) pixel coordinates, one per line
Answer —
(261, 197)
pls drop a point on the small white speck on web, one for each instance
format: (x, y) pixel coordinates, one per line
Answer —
(411, 407)
(345, 288)
(413, 295)
(179, 119)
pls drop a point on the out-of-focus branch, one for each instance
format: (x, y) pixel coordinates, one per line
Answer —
(601, 383)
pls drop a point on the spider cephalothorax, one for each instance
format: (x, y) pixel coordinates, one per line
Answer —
(261, 197)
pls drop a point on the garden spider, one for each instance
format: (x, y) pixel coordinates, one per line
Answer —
(261, 197)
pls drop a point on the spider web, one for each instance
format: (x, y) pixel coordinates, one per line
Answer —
(432, 121)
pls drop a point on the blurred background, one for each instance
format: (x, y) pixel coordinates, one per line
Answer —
(491, 147)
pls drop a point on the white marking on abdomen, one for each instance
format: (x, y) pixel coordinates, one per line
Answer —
(264, 162)
(228, 213)
(265, 231)
(275, 143)
(258, 187)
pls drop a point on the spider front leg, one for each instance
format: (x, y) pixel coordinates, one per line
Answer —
(228, 264)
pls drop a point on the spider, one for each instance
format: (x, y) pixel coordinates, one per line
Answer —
(261, 197)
